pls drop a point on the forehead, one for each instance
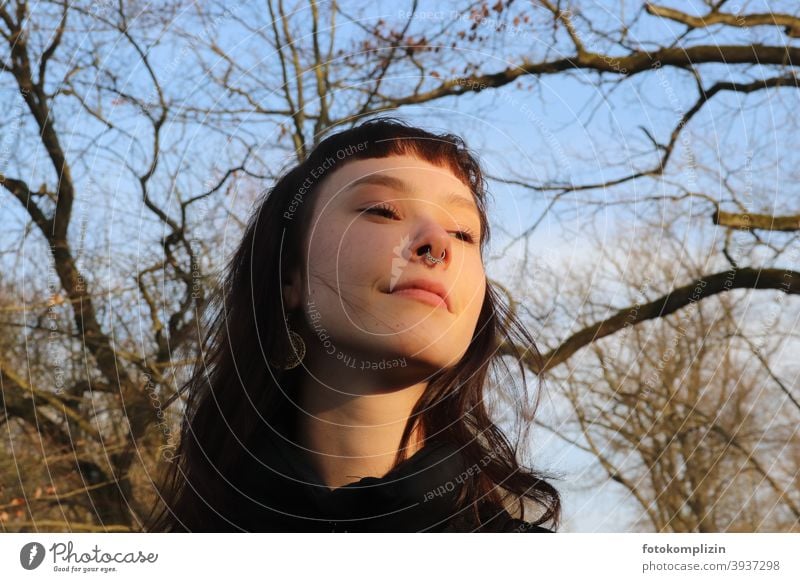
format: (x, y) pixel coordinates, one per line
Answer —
(410, 176)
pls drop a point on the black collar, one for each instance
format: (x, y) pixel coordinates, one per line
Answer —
(286, 494)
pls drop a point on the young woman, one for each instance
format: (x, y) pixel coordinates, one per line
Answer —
(341, 385)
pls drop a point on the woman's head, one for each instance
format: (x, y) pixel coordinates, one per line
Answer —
(360, 214)
(373, 222)
(330, 246)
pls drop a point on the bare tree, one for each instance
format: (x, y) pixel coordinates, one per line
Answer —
(114, 382)
(140, 135)
(684, 413)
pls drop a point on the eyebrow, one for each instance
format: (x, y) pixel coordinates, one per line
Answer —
(451, 198)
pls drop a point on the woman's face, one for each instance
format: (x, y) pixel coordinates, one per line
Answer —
(370, 219)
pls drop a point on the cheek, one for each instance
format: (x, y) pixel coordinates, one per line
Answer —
(328, 239)
(366, 255)
(348, 253)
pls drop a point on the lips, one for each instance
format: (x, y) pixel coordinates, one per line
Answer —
(425, 290)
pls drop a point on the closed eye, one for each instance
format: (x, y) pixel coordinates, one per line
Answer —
(383, 210)
(387, 211)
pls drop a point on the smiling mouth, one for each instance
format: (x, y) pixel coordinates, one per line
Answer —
(421, 295)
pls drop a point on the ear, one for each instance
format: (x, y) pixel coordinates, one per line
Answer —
(292, 290)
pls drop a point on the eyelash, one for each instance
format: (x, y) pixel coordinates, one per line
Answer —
(467, 234)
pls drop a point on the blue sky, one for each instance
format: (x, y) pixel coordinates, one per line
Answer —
(545, 129)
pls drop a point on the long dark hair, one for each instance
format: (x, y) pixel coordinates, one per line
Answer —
(234, 389)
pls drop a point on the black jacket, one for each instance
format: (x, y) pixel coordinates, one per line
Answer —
(281, 492)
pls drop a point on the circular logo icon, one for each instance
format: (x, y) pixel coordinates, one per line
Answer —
(31, 555)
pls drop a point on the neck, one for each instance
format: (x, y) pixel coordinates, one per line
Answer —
(351, 425)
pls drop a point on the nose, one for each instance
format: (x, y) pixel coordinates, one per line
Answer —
(434, 240)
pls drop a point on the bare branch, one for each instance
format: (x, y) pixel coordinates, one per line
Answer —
(747, 278)
(48, 52)
(627, 66)
(744, 221)
(792, 23)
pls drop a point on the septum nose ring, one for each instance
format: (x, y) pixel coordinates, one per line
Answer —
(432, 259)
